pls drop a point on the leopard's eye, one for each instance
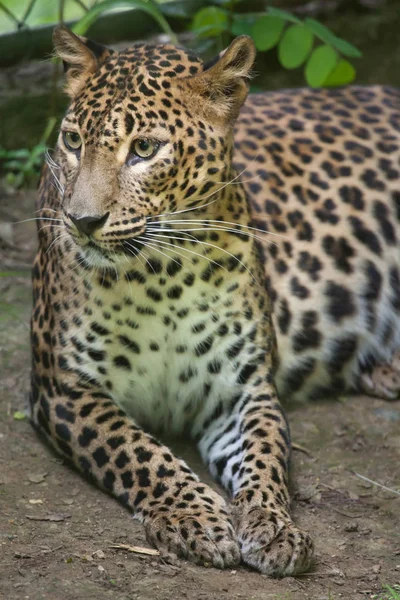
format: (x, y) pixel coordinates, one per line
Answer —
(144, 148)
(72, 141)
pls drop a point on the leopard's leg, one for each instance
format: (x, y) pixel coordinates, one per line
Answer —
(247, 448)
(383, 380)
(181, 515)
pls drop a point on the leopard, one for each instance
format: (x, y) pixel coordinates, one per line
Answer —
(205, 253)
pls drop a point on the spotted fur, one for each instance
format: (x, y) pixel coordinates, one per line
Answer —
(157, 296)
(322, 172)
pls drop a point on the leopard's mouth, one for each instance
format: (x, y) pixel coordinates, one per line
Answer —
(100, 253)
(130, 247)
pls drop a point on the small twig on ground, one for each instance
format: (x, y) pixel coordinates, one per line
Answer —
(51, 550)
(301, 449)
(322, 574)
(56, 517)
(384, 487)
(328, 487)
(136, 549)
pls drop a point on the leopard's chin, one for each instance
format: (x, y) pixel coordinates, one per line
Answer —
(95, 256)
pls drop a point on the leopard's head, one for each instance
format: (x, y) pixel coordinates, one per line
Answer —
(148, 133)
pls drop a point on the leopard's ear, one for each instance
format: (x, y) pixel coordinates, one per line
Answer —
(224, 85)
(81, 57)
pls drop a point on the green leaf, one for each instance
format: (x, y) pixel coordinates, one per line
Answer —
(320, 65)
(242, 24)
(295, 46)
(210, 21)
(342, 74)
(19, 416)
(147, 6)
(322, 32)
(243, 28)
(21, 153)
(267, 32)
(328, 37)
(283, 14)
(346, 48)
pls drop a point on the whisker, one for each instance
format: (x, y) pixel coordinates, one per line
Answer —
(51, 225)
(137, 252)
(45, 208)
(56, 183)
(49, 159)
(215, 247)
(241, 182)
(203, 256)
(166, 255)
(172, 232)
(194, 207)
(59, 186)
(143, 255)
(212, 193)
(57, 239)
(37, 219)
(153, 246)
(221, 222)
(78, 263)
(210, 229)
(139, 255)
(53, 165)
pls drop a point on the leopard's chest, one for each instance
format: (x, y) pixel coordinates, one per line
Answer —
(161, 350)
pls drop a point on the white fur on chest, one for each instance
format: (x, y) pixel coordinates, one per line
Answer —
(168, 378)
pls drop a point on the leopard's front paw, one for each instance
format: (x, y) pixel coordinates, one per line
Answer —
(272, 543)
(199, 532)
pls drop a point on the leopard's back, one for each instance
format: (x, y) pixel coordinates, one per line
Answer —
(321, 169)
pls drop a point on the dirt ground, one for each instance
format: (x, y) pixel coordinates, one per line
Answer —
(57, 531)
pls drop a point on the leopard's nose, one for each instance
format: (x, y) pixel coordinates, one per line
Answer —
(89, 225)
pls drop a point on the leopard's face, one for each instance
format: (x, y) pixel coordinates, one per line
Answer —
(148, 136)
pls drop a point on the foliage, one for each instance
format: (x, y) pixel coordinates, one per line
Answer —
(294, 39)
(147, 6)
(391, 593)
(23, 165)
(19, 14)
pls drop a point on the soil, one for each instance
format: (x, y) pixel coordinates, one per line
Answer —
(57, 531)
